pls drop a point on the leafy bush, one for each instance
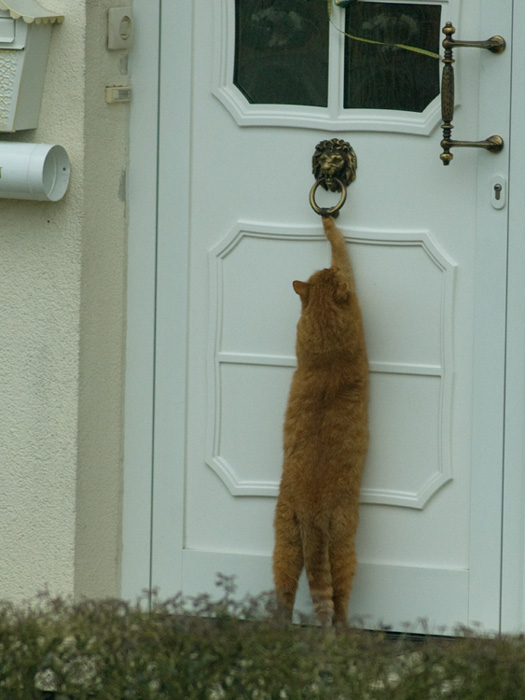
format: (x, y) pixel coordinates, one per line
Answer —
(197, 649)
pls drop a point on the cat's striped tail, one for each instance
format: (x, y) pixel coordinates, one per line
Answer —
(318, 572)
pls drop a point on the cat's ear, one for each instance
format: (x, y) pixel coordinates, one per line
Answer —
(301, 288)
(342, 293)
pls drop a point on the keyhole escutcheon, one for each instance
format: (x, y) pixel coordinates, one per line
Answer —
(498, 192)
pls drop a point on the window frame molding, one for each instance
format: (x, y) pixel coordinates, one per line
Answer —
(332, 118)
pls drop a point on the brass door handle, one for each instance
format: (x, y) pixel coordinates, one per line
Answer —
(496, 44)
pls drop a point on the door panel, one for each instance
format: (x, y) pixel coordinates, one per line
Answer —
(406, 366)
(417, 234)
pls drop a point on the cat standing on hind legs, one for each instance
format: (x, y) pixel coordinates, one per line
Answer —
(325, 442)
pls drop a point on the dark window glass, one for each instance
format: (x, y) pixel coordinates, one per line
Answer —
(281, 51)
(384, 76)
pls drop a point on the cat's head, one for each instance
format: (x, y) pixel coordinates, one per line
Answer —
(327, 323)
(324, 290)
(330, 327)
(326, 311)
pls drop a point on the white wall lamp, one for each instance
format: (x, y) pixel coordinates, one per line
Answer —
(27, 170)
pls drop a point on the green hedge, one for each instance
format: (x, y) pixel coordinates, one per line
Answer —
(202, 650)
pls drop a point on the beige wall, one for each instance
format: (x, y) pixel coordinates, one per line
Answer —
(62, 305)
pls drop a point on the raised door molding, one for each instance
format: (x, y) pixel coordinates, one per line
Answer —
(408, 324)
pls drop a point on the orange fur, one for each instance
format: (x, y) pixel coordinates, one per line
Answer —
(325, 442)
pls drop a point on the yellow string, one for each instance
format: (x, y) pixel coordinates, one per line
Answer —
(414, 49)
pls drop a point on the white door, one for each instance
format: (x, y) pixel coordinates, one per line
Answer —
(247, 90)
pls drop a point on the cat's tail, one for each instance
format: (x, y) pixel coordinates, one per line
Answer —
(318, 572)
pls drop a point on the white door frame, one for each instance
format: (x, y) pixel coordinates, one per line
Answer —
(140, 341)
(513, 537)
(157, 326)
(150, 445)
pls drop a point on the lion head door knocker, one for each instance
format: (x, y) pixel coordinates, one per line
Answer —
(334, 166)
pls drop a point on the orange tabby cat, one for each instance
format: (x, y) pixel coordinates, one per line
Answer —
(325, 442)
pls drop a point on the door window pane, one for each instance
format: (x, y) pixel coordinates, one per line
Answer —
(281, 51)
(385, 76)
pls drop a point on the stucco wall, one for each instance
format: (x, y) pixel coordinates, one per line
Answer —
(62, 290)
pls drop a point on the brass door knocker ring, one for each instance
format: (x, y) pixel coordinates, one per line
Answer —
(334, 166)
(327, 211)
